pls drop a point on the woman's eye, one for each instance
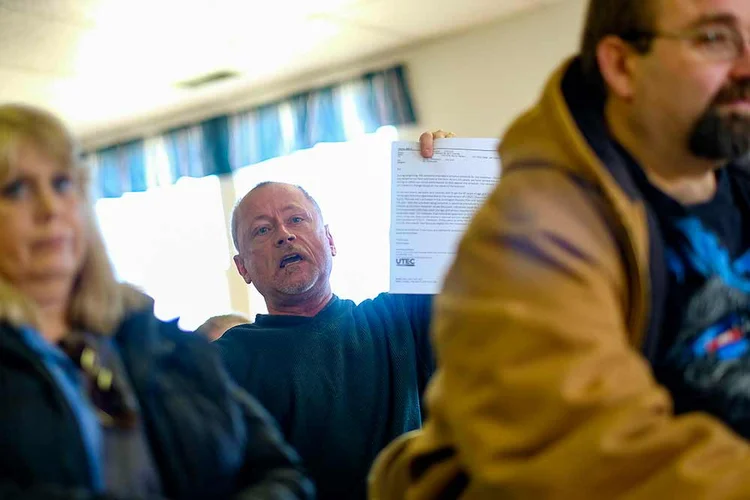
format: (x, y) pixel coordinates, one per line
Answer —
(261, 231)
(15, 190)
(62, 183)
(296, 219)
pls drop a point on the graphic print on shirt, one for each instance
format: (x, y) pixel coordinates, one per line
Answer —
(708, 367)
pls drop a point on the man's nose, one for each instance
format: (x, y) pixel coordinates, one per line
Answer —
(741, 67)
(285, 237)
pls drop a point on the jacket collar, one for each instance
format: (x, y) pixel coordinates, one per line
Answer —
(586, 103)
(566, 131)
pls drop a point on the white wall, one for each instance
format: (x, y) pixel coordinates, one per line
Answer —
(476, 83)
(472, 83)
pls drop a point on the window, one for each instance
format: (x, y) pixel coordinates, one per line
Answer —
(172, 241)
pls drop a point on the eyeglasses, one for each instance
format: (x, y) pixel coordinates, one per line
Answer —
(105, 391)
(715, 42)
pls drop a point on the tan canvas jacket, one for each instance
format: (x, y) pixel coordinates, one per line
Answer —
(541, 390)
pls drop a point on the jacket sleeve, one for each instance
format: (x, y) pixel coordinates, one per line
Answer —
(420, 310)
(540, 392)
(272, 469)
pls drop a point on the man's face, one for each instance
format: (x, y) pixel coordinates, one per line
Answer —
(285, 250)
(681, 90)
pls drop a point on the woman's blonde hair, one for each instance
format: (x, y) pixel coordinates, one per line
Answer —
(98, 302)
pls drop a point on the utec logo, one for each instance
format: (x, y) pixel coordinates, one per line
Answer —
(405, 262)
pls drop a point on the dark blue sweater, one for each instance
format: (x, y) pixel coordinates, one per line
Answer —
(342, 384)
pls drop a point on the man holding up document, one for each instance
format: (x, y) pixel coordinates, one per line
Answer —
(341, 379)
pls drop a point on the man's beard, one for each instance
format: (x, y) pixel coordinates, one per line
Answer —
(718, 136)
(296, 288)
(304, 285)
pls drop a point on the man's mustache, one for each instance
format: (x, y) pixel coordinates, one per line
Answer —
(735, 91)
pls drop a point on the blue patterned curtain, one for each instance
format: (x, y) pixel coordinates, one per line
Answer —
(184, 148)
(255, 136)
(229, 142)
(318, 117)
(119, 169)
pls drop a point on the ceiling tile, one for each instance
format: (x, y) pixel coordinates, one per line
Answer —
(425, 18)
(77, 12)
(100, 63)
(37, 46)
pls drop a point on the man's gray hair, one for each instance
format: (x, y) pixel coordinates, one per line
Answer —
(235, 211)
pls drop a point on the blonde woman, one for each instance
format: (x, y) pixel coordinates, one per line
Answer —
(98, 398)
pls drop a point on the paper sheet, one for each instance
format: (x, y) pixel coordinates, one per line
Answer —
(432, 202)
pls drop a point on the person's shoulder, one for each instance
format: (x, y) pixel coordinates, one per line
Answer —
(388, 299)
(169, 332)
(144, 332)
(254, 337)
(238, 335)
(142, 326)
(143, 339)
(240, 332)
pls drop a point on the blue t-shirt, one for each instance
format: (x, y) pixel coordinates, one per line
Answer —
(703, 357)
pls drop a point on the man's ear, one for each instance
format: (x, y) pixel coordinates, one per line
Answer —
(242, 269)
(331, 244)
(616, 60)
